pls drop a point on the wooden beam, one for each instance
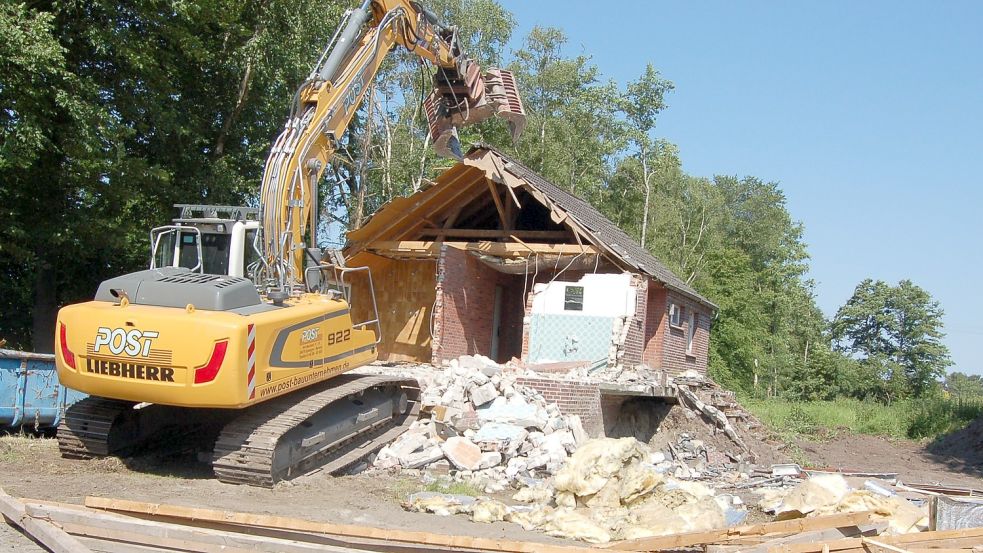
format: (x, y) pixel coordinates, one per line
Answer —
(52, 537)
(499, 249)
(110, 526)
(688, 539)
(755, 545)
(287, 523)
(452, 218)
(396, 222)
(498, 204)
(506, 180)
(492, 233)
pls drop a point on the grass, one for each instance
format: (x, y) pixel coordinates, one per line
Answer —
(405, 488)
(908, 419)
(16, 448)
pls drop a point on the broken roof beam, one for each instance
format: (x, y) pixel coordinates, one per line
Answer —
(503, 218)
(433, 200)
(423, 249)
(492, 233)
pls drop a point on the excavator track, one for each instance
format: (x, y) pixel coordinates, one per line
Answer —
(331, 427)
(84, 430)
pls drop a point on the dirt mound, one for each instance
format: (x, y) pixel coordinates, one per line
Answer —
(963, 447)
(659, 424)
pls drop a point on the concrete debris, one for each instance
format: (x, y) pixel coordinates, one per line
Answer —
(491, 430)
(462, 453)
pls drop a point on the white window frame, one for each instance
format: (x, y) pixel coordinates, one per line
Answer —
(691, 333)
(675, 315)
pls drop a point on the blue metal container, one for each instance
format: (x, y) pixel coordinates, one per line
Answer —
(30, 393)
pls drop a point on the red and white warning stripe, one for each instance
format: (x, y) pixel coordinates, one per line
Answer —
(251, 363)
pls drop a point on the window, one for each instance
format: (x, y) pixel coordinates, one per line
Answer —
(675, 315)
(690, 333)
(573, 298)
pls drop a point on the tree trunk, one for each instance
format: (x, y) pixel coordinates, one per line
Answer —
(648, 193)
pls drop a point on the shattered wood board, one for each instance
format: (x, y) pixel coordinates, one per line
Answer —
(405, 293)
(569, 338)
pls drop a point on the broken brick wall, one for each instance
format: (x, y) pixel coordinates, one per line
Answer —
(464, 314)
(634, 345)
(573, 398)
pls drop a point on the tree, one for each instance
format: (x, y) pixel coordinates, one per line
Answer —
(641, 103)
(573, 130)
(964, 386)
(113, 112)
(896, 331)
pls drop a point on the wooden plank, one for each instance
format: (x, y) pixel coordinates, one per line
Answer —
(287, 523)
(405, 293)
(493, 233)
(881, 547)
(52, 537)
(725, 534)
(128, 529)
(109, 546)
(937, 539)
(804, 537)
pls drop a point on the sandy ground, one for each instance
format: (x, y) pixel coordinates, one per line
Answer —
(32, 468)
(915, 462)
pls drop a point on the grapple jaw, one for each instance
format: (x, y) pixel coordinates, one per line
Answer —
(464, 96)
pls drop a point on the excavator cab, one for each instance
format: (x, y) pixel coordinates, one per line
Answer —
(216, 240)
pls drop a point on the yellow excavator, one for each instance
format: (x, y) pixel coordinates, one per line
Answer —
(240, 331)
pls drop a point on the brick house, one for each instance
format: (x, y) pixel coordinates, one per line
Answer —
(492, 259)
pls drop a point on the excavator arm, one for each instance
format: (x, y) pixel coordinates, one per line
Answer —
(326, 103)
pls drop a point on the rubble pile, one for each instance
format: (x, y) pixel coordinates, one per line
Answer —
(608, 489)
(612, 489)
(484, 427)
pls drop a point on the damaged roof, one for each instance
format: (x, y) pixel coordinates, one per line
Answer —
(607, 233)
(402, 218)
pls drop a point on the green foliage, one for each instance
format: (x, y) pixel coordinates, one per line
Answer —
(911, 418)
(114, 112)
(964, 386)
(896, 333)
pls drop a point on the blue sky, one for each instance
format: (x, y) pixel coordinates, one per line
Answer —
(869, 114)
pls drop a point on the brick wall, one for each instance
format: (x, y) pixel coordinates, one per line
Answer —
(635, 341)
(573, 398)
(655, 323)
(675, 358)
(465, 308)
